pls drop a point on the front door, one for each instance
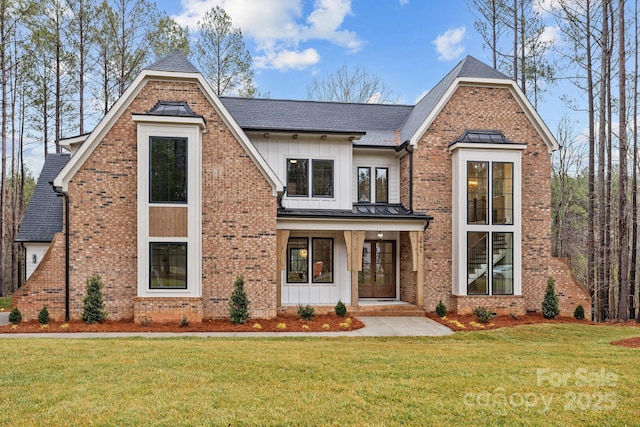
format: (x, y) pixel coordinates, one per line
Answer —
(378, 276)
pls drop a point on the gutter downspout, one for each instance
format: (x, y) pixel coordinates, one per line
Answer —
(65, 195)
(406, 146)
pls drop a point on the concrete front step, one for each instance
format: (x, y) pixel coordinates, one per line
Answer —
(409, 310)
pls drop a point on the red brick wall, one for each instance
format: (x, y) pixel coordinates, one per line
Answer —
(238, 214)
(167, 309)
(570, 293)
(500, 304)
(45, 287)
(485, 109)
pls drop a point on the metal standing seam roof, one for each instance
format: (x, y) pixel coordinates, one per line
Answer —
(44, 213)
(359, 211)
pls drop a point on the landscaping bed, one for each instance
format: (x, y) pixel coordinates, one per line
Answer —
(321, 323)
(469, 322)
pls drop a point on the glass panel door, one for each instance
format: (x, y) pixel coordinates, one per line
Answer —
(378, 276)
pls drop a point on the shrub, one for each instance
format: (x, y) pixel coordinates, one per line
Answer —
(184, 322)
(579, 312)
(306, 312)
(550, 308)
(93, 306)
(15, 316)
(341, 309)
(146, 321)
(239, 303)
(441, 310)
(482, 314)
(43, 316)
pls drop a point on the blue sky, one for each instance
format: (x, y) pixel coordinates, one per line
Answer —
(292, 41)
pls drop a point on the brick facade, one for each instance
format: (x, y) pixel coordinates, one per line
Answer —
(238, 224)
(485, 108)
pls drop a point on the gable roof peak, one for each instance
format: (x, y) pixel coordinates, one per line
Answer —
(174, 62)
(472, 67)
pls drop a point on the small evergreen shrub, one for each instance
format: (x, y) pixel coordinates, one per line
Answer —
(93, 306)
(146, 321)
(184, 322)
(239, 303)
(483, 315)
(341, 309)
(441, 309)
(550, 308)
(579, 312)
(15, 316)
(306, 312)
(43, 316)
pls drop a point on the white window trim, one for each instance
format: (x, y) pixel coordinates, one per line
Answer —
(460, 157)
(191, 131)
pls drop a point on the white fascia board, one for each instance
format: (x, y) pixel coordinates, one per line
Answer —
(334, 224)
(85, 150)
(68, 142)
(521, 99)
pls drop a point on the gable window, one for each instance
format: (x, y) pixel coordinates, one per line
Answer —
(382, 185)
(364, 184)
(297, 177)
(168, 266)
(322, 257)
(168, 170)
(322, 178)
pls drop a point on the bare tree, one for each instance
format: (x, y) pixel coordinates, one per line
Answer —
(623, 235)
(350, 85)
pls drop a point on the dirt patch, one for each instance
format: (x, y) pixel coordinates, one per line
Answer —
(633, 342)
(321, 323)
(470, 322)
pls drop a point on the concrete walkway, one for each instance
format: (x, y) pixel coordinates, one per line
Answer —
(390, 326)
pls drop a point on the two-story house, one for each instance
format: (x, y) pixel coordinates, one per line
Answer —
(177, 191)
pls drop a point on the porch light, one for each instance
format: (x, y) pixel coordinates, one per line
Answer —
(380, 235)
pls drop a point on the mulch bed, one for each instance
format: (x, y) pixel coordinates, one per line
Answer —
(469, 322)
(633, 342)
(292, 324)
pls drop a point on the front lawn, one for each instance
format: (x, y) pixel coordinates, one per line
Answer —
(528, 375)
(5, 303)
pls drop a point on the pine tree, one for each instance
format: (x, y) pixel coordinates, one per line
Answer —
(43, 316)
(239, 304)
(93, 308)
(550, 308)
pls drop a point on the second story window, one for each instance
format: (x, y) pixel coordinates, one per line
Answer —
(168, 170)
(382, 185)
(364, 184)
(299, 176)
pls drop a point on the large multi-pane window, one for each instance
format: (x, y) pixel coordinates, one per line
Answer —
(319, 256)
(168, 170)
(168, 266)
(321, 174)
(489, 252)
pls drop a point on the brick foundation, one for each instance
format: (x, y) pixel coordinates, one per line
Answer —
(167, 309)
(499, 304)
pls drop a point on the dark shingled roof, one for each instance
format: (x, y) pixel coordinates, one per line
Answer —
(176, 62)
(383, 124)
(44, 214)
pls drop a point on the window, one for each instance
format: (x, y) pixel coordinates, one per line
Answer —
(322, 256)
(297, 260)
(297, 177)
(489, 252)
(322, 178)
(382, 185)
(168, 266)
(168, 170)
(364, 184)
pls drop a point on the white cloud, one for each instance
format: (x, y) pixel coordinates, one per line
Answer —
(288, 59)
(550, 35)
(278, 27)
(404, 2)
(449, 45)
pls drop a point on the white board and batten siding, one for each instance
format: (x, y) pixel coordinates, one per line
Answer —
(276, 151)
(35, 253)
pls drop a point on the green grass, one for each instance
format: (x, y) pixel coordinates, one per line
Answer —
(5, 303)
(479, 378)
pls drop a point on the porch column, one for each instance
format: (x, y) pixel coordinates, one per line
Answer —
(354, 241)
(417, 253)
(282, 237)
